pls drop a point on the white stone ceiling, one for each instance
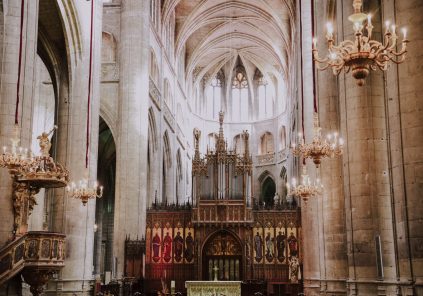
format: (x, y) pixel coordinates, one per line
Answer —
(215, 32)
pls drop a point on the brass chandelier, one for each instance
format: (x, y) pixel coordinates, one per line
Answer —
(84, 192)
(319, 148)
(306, 188)
(15, 158)
(361, 54)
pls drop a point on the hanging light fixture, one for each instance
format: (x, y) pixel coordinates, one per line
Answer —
(84, 192)
(319, 148)
(15, 157)
(306, 188)
(363, 53)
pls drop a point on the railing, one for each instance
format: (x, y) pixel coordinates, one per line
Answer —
(266, 159)
(35, 249)
(12, 259)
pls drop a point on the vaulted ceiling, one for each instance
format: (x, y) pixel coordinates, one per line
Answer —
(215, 32)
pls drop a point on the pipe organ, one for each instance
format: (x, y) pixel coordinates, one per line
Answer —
(222, 178)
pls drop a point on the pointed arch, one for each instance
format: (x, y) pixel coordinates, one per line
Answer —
(267, 145)
(152, 131)
(264, 175)
(179, 176)
(108, 48)
(167, 151)
(154, 69)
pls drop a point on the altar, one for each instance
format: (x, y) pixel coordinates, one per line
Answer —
(213, 288)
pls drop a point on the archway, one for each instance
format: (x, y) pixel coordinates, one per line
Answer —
(224, 251)
(268, 189)
(105, 206)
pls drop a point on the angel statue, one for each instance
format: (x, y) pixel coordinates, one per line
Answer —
(45, 143)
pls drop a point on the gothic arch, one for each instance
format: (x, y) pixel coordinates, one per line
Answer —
(152, 131)
(268, 190)
(167, 152)
(238, 144)
(108, 48)
(222, 244)
(154, 68)
(282, 139)
(179, 176)
(267, 144)
(264, 175)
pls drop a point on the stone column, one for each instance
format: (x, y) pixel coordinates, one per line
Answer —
(131, 146)
(404, 87)
(309, 211)
(69, 215)
(365, 163)
(334, 265)
(9, 76)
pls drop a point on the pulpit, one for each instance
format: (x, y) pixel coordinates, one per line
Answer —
(213, 288)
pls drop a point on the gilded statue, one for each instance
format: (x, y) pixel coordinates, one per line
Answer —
(45, 143)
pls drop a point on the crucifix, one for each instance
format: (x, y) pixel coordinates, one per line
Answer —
(215, 270)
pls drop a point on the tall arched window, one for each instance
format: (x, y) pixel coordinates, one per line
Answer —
(168, 94)
(265, 96)
(108, 48)
(240, 95)
(282, 138)
(179, 177)
(213, 95)
(239, 144)
(155, 12)
(212, 139)
(266, 144)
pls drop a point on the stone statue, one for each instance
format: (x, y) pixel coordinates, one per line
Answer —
(276, 199)
(269, 248)
(258, 246)
(294, 269)
(280, 246)
(45, 143)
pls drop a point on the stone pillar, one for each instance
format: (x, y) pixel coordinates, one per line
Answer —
(69, 215)
(334, 265)
(9, 76)
(404, 87)
(309, 211)
(366, 179)
(131, 145)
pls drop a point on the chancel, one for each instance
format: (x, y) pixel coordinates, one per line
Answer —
(211, 147)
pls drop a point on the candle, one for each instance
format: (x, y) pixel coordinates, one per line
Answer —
(357, 26)
(329, 27)
(387, 26)
(404, 32)
(314, 42)
(369, 19)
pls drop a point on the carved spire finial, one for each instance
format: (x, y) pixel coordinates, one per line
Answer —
(197, 135)
(220, 143)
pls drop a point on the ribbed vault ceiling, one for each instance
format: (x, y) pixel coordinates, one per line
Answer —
(215, 32)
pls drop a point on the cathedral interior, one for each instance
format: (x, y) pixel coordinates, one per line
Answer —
(211, 147)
